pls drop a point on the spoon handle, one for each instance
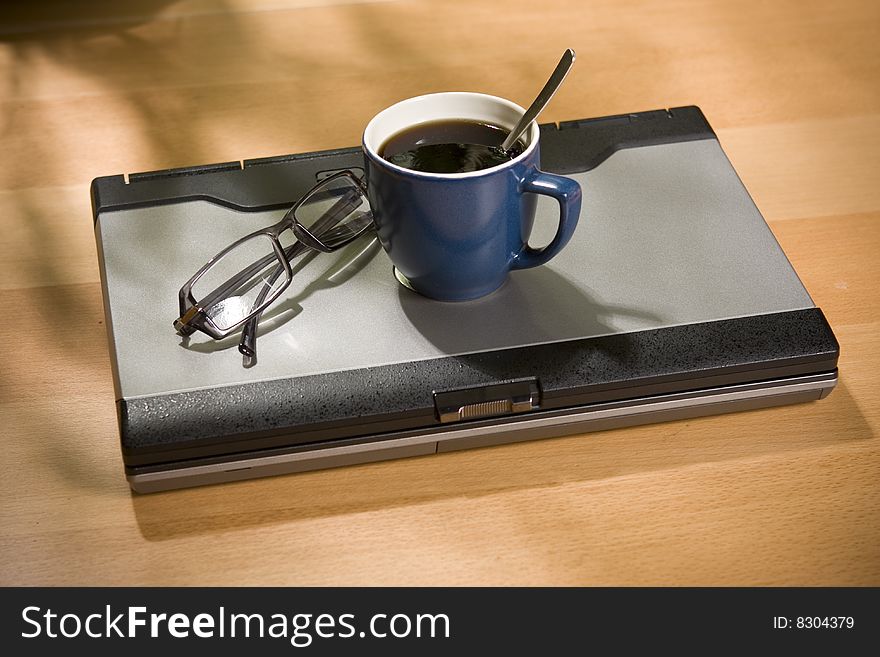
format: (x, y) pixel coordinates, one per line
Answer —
(543, 98)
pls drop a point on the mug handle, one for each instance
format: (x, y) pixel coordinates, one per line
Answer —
(568, 193)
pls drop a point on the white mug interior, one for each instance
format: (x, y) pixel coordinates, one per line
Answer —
(447, 105)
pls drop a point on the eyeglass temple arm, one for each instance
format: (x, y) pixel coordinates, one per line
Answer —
(238, 279)
(333, 216)
(248, 344)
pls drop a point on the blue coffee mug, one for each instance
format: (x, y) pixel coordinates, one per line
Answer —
(456, 236)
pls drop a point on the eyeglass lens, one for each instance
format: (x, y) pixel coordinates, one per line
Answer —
(242, 281)
(335, 212)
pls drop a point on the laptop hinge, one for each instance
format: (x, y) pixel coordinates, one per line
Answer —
(491, 400)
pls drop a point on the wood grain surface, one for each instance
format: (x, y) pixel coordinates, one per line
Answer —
(787, 496)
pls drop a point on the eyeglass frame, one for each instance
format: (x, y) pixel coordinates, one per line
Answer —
(192, 311)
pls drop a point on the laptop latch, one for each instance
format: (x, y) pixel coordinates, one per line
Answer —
(491, 400)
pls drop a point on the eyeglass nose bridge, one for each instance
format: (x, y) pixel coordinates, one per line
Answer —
(303, 235)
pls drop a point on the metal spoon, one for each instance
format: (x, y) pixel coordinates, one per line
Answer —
(541, 101)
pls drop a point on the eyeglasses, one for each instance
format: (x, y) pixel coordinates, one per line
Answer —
(235, 286)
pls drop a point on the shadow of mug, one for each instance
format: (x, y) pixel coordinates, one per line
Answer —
(534, 306)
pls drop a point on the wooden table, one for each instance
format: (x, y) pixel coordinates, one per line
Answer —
(787, 496)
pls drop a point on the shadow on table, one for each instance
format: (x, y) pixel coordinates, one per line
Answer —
(492, 470)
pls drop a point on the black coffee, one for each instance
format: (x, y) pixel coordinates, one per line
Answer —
(449, 146)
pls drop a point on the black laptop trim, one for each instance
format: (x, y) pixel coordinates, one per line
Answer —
(359, 402)
(275, 182)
